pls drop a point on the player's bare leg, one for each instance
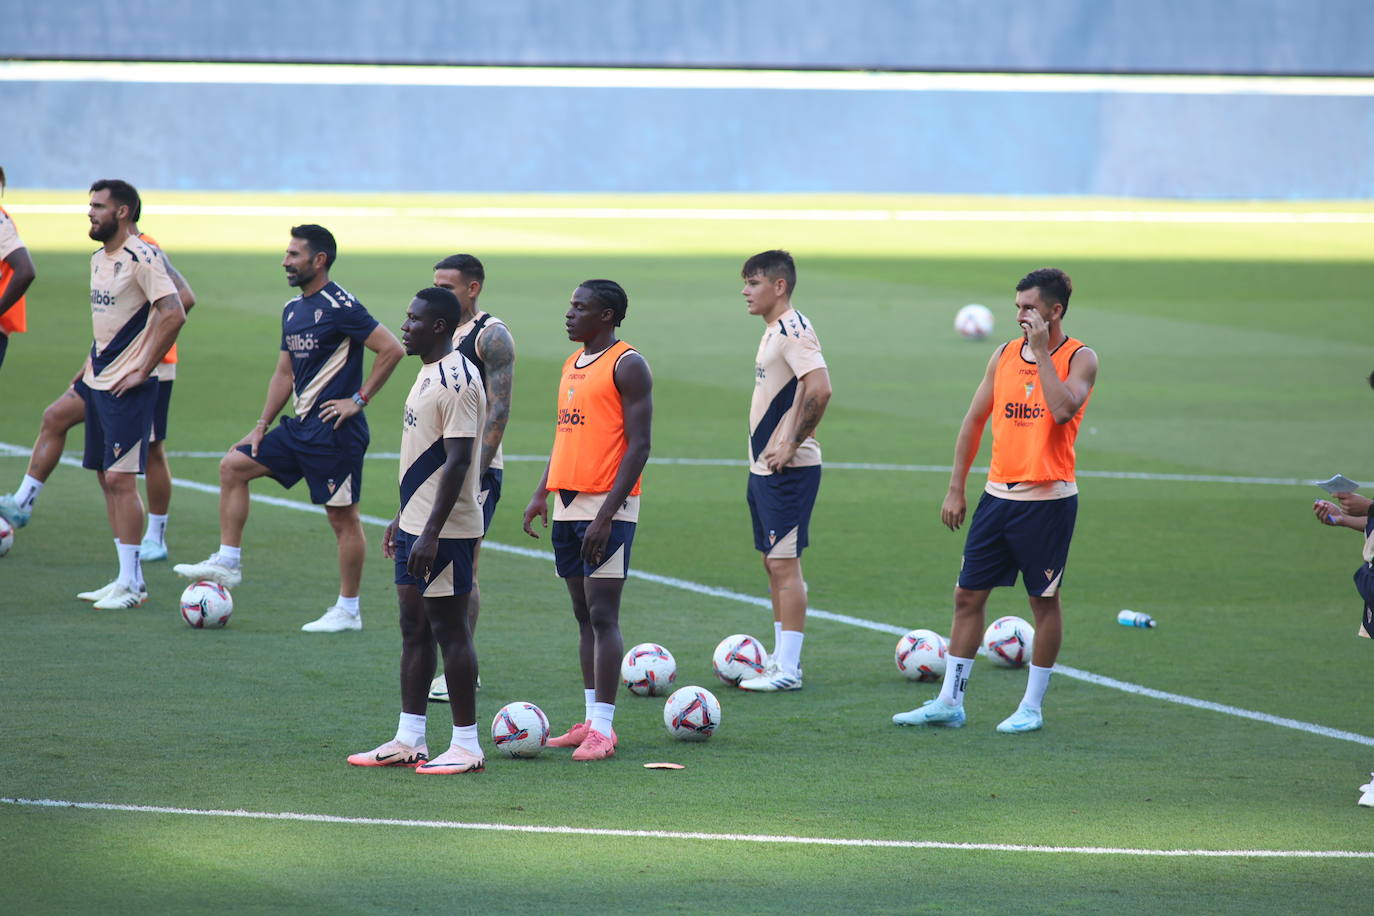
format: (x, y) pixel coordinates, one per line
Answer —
(58, 418)
(448, 618)
(603, 621)
(344, 614)
(408, 748)
(158, 480)
(125, 509)
(1049, 635)
(787, 591)
(966, 632)
(235, 471)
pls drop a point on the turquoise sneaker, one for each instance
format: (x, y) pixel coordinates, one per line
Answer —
(152, 551)
(9, 508)
(933, 712)
(1025, 719)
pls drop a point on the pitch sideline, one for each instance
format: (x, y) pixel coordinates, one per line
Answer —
(692, 835)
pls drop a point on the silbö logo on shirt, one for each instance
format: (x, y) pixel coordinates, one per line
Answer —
(571, 416)
(300, 344)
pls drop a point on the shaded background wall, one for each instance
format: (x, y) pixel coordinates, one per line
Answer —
(285, 135)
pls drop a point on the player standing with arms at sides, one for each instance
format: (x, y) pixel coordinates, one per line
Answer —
(136, 316)
(601, 442)
(324, 331)
(791, 390)
(486, 342)
(1024, 520)
(434, 537)
(69, 410)
(16, 275)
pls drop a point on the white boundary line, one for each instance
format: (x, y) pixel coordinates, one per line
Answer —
(816, 613)
(675, 79)
(728, 214)
(692, 835)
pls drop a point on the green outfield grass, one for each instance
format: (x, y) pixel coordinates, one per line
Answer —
(1227, 350)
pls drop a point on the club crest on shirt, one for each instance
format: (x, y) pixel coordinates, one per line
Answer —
(1030, 386)
(319, 313)
(117, 266)
(424, 383)
(570, 394)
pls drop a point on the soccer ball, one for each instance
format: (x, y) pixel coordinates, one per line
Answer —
(648, 670)
(691, 714)
(738, 657)
(206, 604)
(6, 536)
(921, 655)
(1008, 642)
(973, 322)
(520, 729)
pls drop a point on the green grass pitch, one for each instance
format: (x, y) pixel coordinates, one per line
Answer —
(1228, 350)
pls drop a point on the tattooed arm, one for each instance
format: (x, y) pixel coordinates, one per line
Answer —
(497, 349)
(815, 394)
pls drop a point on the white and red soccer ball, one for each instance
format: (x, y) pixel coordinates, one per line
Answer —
(648, 670)
(691, 714)
(921, 655)
(1008, 642)
(520, 730)
(206, 605)
(6, 536)
(738, 657)
(973, 322)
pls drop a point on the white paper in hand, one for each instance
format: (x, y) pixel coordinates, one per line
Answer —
(1338, 484)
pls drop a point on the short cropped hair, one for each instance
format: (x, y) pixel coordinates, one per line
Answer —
(121, 192)
(1055, 285)
(772, 264)
(320, 240)
(465, 264)
(442, 304)
(608, 294)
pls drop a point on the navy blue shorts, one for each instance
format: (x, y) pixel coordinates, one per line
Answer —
(117, 428)
(1009, 535)
(164, 403)
(489, 494)
(567, 551)
(333, 471)
(452, 572)
(780, 506)
(4, 345)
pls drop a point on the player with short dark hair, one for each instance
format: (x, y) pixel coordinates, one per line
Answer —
(486, 341)
(136, 315)
(320, 368)
(1035, 390)
(433, 538)
(601, 442)
(791, 391)
(17, 274)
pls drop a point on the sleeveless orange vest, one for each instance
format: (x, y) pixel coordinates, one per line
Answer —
(1027, 445)
(15, 320)
(589, 437)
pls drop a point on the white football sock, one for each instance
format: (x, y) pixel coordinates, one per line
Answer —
(957, 672)
(1037, 682)
(348, 604)
(465, 736)
(777, 637)
(789, 651)
(603, 714)
(411, 729)
(157, 528)
(231, 555)
(590, 697)
(129, 572)
(28, 491)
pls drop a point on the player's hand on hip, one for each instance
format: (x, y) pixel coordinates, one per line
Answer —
(339, 410)
(128, 382)
(538, 508)
(953, 510)
(779, 456)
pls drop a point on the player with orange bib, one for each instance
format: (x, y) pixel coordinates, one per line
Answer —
(601, 443)
(16, 275)
(1024, 521)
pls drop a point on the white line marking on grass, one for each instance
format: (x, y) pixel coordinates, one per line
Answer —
(692, 835)
(745, 214)
(673, 78)
(862, 466)
(816, 613)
